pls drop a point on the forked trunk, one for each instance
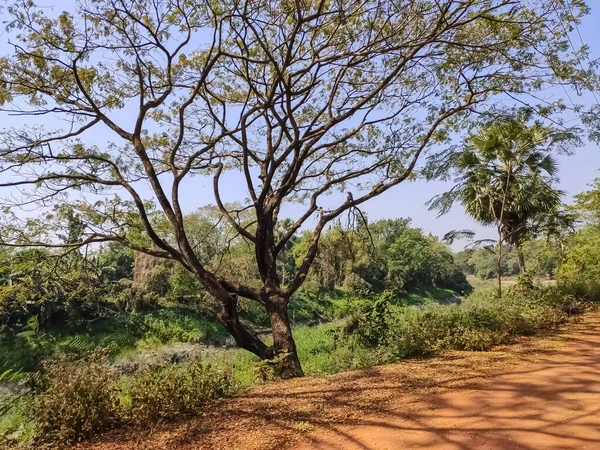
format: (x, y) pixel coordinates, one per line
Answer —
(285, 357)
(282, 354)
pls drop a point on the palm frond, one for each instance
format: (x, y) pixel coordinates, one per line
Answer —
(454, 235)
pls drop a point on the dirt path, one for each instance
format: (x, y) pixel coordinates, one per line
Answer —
(542, 393)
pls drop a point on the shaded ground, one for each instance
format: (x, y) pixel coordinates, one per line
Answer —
(539, 393)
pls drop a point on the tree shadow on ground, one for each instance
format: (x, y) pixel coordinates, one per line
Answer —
(537, 397)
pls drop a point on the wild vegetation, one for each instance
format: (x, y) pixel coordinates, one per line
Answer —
(121, 306)
(297, 102)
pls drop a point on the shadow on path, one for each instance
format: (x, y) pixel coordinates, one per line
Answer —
(543, 393)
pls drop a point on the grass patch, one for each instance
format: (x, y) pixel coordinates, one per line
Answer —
(16, 424)
(121, 333)
(428, 294)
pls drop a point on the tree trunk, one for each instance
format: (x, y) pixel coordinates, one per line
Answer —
(243, 338)
(282, 353)
(521, 260)
(284, 348)
(499, 263)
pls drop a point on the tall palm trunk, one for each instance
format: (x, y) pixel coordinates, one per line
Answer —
(521, 259)
(499, 263)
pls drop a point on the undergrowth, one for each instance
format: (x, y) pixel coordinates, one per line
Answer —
(82, 396)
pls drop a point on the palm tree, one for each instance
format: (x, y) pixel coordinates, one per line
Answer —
(505, 178)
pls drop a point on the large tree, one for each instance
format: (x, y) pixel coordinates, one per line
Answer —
(126, 100)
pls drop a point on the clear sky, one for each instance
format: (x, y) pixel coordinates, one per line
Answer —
(407, 200)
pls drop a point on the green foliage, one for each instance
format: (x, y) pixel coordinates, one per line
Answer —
(587, 204)
(166, 326)
(580, 268)
(476, 324)
(469, 327)
(383, 255)
(123, 332)
(16, 423)
(308, 306)
(174, 390)
(184, 284)
(484, 262)
(416, 260)
(81, 399)
(370, 322)
(27, 348)
(51, 286)
(541, 256)
(356, 286)
(116, 262)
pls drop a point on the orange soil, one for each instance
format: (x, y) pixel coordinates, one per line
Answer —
(541, 393)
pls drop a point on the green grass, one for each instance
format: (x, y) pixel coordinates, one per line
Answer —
(123, 333)
(129, 334)
(479, 284)
(15, 419)
(318, 351)
(428, 294)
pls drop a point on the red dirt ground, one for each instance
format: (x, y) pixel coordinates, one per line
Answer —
(541, 393)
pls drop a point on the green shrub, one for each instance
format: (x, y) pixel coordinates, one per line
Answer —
(579, 271)
(175, 390)
(368, 322)
(355, 285)
(476, 324)
(79, 401)
(83, 397)
(166, 326)
(15, 419)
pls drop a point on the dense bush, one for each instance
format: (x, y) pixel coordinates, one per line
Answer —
(476, 324)
(175, 390)
(369, 322)
(81, 399)
(355, 285)
(580, 268)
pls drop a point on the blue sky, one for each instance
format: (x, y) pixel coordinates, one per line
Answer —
(408, 199)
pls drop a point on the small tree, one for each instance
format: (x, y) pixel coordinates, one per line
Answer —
(505, 175)
(299, 99)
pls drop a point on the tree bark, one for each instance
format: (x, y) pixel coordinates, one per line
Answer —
(284, 348)
(521, 260)
(243, 338)
(499, 263)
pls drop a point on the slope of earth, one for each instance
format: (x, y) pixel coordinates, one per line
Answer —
(541, 393)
